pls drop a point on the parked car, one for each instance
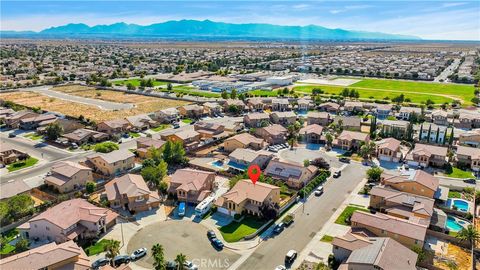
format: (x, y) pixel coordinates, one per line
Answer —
(278, 228)
(171, 265)
(139, 253)
(100, 262)
(470, 181)
(280, 267)
(121, 259)
(290, 257)
(319, 191)
(175, 125)
(12, 135)
(211, 234)
(74, 146)
(217, 243)
(188, 265)
(337, 174)
(181, 209)
(344, 160)
(288, 220)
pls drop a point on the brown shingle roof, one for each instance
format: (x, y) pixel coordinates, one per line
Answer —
(244, 190)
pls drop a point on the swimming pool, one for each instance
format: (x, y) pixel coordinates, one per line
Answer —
(460, 204)
(217, 164)
(237, 166)
(454, 224)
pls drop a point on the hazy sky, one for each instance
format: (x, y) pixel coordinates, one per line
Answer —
(432, 19)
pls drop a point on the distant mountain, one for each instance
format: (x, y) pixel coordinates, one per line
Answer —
(193, 29)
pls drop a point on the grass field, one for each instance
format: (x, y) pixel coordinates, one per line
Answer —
(192, 91)
(136, 82)
(235, 231)
(161, 127)
(417, 92)
(458, 173)
(348, 212)
(143, 104)
(21, 164)
(34, 136)
(99, 247)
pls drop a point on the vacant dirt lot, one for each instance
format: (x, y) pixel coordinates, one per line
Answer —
(143, 104)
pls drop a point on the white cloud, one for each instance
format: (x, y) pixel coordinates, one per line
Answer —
(453, 4)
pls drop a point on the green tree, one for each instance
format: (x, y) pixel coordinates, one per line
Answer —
(3, 242)
(158, 257)
(106, 147)
(374, 174)
(20, 205)
(169, 87)
(4, 211)
(329, 138)
(178, 156)
(90, 187)
(155, 154)
(306, 163)
(21, 245)
(130, 86)
(367, 150)
(224, 94)
(180, 260)
(112, 247)
(469, 234)
(233, 94)
(420, 252)
(53, 131)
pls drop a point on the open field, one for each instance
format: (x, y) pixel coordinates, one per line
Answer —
(136, 82)
(143, 104)
(417, 92)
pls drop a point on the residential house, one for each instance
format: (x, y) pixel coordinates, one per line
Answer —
(406, 112)
(304, 104)
(329, 107)
(389, 149)
(13, 120)
(248, 198)
(295, 175)
(468, 157)
(280, 104)
(358, 251)
(352, 123)
(234, 102)
(382, 111)
(241, 158)
(66, 125)
(141, 122)
(256, 120)
(274, 134)
(470, 138)
(439, 117)
(115, 127)
(131, 193)
(406, 232)
(398, 129)
(113, 163)
(189, 138)
(8, 154)
(83, 135)
(66, 176)
(351, 140)
(427, 155)
(212, 108)
(431, 133)
(5, 112)
(67, 255)
(311, 133)
(353, 107)
(415, 182)
(168, 115)
(243, 140)
(191, 111)
(69, 220)
(319, 118)
(191, 185)
(144, 144)
(37, 121)
(12, 188)
(210, 131)
(256, 105)
(284, 118)
(467, 120)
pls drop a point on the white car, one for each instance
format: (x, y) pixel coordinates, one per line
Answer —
(290, 257)
(280, 267)
(139, 253)
(188, 265)
(319, 191)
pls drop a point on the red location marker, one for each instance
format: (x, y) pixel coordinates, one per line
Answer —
(254, 173)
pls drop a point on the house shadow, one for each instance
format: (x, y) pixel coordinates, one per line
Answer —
(221, 219)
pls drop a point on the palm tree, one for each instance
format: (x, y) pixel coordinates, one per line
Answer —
(158, 257)
(329, 138)
(180, 260)
(112, 247)
(367, 149)
(471, 235)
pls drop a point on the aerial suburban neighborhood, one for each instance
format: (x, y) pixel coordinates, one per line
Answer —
(120, 151)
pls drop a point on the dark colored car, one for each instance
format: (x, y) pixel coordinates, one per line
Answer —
(290, 257)
(211, 234)
(12, 135)
(171, 265)
(344, 160)
(100, 262)
(337, 174)
(217, 243)
(470, 181)
(121, 259)
(278, 228)
(175, 125)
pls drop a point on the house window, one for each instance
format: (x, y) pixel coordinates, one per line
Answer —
(47, 228)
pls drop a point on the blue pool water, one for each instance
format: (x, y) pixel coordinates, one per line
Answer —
(237, 166)
(460, 204)
(453, 225)
(217, 164)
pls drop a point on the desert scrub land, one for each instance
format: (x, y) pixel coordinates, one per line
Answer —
(143, 104)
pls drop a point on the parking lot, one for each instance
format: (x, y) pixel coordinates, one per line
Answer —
(185, 237)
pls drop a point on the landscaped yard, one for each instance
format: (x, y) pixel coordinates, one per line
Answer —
(134, 134)
(161, 127)
(348, 213)
(34, 136)
(21, 164)
(99, 247)
(235, 231)
(187, 120)
(9, 236)
(136, 82)
(192, 91)
(327, 238)
(454, 194)
(459, 173)
(265, 93)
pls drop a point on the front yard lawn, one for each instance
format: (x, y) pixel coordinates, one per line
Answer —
(235, 231)
(134, 134)
(99, 247)
(327, 238)
(21, 164)
(187, 120)
(347, 213)
(458, 173)
(34, 136)
(7, 249)
(454, 194)
(161, 127)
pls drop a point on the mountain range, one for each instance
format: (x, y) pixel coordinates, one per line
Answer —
(193, 29)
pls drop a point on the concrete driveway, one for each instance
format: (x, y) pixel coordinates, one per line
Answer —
(185, 237)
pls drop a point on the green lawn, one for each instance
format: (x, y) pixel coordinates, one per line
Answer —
(9, 235)
(266, 93)
(161, 127)
(327, 238)
(134, 134)
(235, 231)
(454, 194)
(136, 82)
(22, 164)
(192, 91)
(99, 247)
(347, 212)
(7, 249)
(34, 136)
(458, 173)
(187, 120)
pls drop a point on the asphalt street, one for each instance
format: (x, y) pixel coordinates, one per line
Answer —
(308, 221)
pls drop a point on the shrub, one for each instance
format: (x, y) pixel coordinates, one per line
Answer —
(106, 147)
(322, 177)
